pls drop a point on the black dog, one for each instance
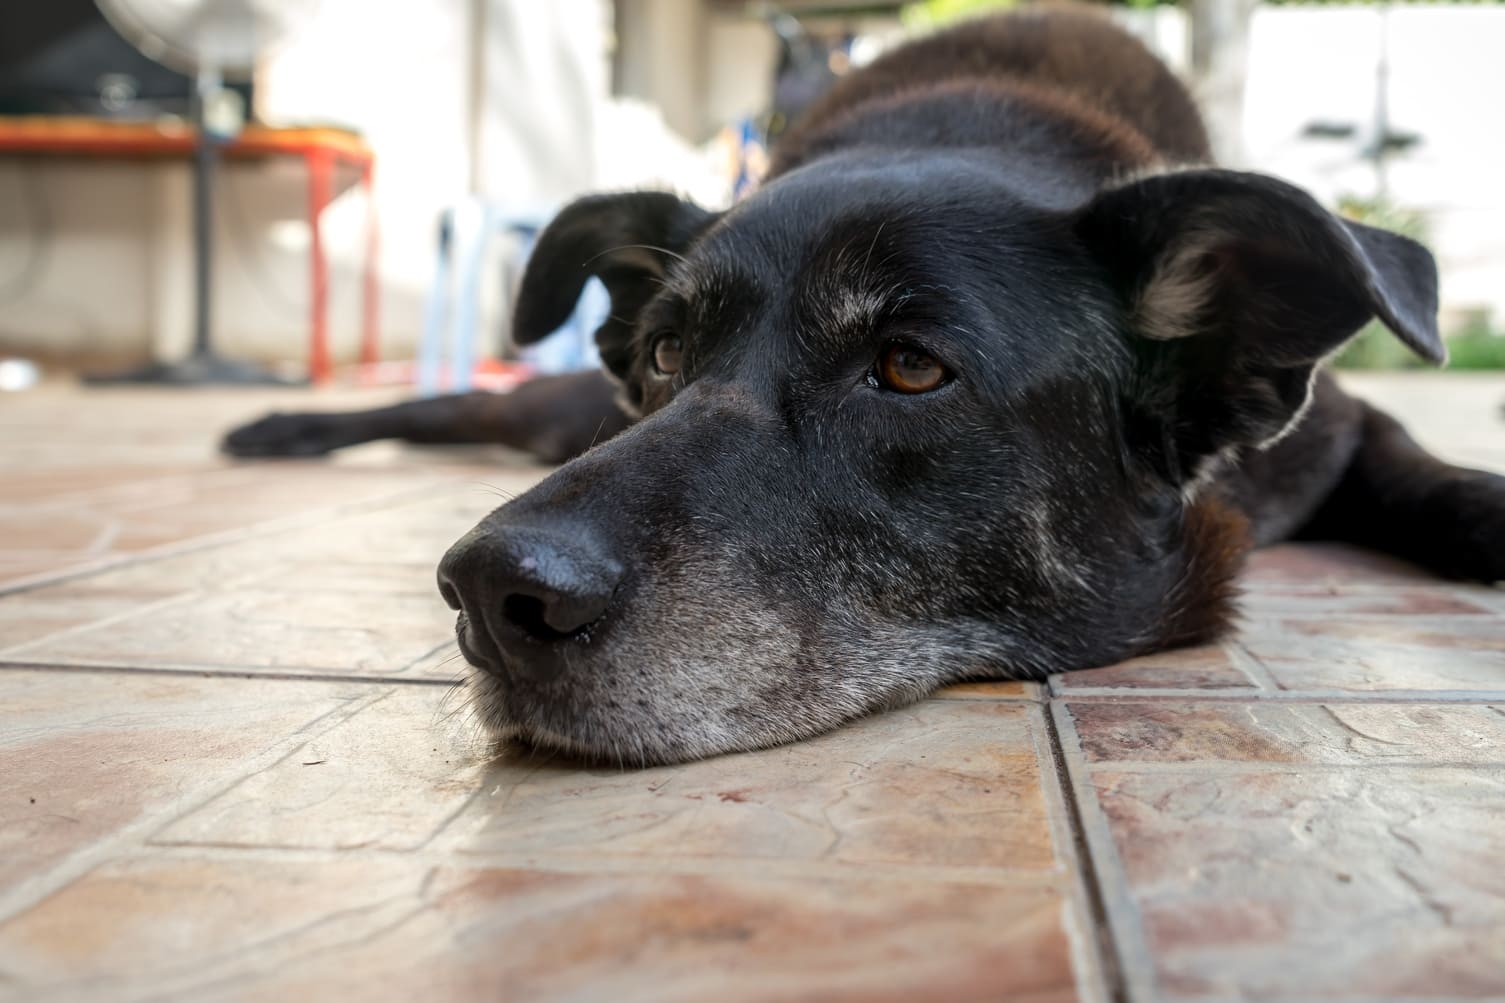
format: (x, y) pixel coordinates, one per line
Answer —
(983, 383)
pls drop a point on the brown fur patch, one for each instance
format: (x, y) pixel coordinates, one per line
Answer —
(1074, 53)
(1078, 131)
(1202, 605)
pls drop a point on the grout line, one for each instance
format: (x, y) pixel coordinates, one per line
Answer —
(596, 862)
(1081, 861)
(1474, 619)
(1251, 666)
(115, 843)
(1090, 694)
(1362, 587)
(1123, 926)
(309, 675)
(147, 606)
(1290, 998)
(448, 642)
(1246, 767)
(288, 752)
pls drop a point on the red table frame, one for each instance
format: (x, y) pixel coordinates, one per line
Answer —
(322, 150)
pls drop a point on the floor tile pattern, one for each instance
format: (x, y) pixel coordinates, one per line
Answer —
(239, 764)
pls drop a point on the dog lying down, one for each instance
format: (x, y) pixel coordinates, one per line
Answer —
(991, 379)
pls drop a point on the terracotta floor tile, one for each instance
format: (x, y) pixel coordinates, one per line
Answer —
(253, 629)
(1432, 602)
(144, 516)
(24, 566)
(359, 588)
(1327, 565)
(26, 617)
(357, 580)
(1347, 884)
(444, 663)
(162, 577)
(397, 929)
(1007, 690)
(1283, 850)
(1375, 655)
(416, 532)
(847, 798)
(31, 531)
(1207, 667)
(947, 783)
(1275, 733)
(389, 777)
(69, 483)
(242, 497)
(256, 838)
(87, 753)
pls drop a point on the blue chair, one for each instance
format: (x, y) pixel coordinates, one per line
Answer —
(466, 232)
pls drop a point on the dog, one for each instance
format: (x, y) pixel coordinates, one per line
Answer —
(994, 377)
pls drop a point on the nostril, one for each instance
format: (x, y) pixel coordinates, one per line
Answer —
(529, 614)
(451, 597)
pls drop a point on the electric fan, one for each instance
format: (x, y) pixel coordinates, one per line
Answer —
(211, 41)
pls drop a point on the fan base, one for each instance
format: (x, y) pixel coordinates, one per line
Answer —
(199, 368)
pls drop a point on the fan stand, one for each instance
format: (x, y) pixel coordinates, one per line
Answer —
(203, 365)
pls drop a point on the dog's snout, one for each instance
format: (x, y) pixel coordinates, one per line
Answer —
(527, 595)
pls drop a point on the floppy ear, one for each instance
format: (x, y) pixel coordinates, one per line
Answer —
(626, 240)
(1237, 286)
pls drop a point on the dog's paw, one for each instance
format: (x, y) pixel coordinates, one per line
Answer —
(285, 435)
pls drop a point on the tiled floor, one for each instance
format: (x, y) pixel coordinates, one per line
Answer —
(233, 766)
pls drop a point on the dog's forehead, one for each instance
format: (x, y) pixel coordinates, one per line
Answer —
(837, 256)
(824, 281)
(837, 223)
(820, 250)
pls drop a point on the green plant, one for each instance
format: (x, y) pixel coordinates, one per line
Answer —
(1477, 346)
(1375, 347)
(926, 14)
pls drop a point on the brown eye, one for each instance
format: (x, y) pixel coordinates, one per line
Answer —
(907, 370)
(668, 354)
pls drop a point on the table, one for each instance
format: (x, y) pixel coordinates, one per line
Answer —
(323, 150)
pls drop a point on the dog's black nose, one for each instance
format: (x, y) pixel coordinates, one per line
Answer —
(527, 595)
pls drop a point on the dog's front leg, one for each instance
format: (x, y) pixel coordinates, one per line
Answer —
(553, 417)
(1398, 498)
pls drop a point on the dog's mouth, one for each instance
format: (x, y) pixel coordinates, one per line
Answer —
(521, 724)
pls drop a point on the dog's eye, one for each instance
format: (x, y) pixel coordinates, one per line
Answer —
(906, 369)
(668, 354)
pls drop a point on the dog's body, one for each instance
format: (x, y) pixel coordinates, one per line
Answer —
(982, 383)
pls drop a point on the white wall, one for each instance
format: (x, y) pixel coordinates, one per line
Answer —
(1318, 63)
(1446, 80)
(114, 283)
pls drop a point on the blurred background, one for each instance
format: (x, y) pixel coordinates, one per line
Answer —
(355, 182)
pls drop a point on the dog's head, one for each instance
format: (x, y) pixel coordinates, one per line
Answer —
(900, 426)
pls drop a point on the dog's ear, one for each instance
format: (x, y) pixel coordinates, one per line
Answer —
(1236, 287)
(626, 240)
